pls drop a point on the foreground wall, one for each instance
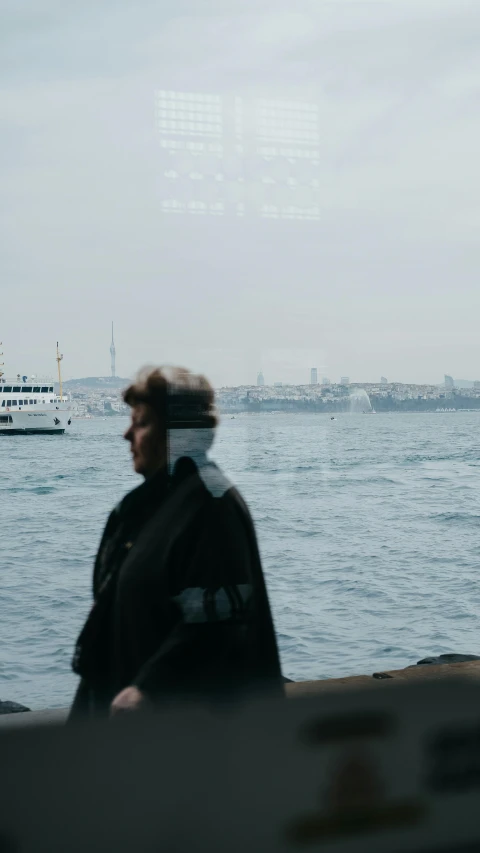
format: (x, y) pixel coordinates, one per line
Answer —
(469, 671)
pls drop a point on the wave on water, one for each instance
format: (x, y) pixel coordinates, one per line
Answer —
(457, 518)
(35, 490)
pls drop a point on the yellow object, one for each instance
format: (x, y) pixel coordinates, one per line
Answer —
(59, 358)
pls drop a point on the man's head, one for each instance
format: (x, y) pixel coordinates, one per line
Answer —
(173, 414)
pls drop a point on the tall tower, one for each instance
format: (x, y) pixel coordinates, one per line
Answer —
(313, 376)
(112, 355)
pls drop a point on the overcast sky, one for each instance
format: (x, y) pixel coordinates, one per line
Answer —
(385, 282)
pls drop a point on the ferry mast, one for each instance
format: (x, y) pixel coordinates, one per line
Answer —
(58, 360)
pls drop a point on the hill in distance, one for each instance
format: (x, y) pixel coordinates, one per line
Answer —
(97, 382)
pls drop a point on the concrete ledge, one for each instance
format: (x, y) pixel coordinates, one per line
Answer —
(390, 678)
(34, 718)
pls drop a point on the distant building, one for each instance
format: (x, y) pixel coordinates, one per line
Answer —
(326, 380)
(260, 379)
(313, 376)
(383, 380)
(278, 384)
(345, 380)
(449, 383)
(476, 385)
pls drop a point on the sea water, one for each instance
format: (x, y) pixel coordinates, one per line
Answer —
(369, 529)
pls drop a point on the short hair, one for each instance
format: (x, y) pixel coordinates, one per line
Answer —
(181, 398)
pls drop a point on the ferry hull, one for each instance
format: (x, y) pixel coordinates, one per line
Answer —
(16, 431)
(46, 422)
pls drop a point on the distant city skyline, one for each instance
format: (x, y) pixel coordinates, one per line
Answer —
(303, 377)
(448, 382)
(103, 396)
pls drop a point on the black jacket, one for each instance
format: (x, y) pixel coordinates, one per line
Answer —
(180, 605)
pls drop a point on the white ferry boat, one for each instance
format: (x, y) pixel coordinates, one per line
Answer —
(31, 406)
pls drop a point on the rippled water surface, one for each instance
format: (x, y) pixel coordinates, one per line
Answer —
(368, 527)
